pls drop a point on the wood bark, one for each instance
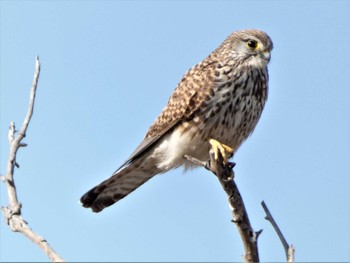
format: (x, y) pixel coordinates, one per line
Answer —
(225, 175)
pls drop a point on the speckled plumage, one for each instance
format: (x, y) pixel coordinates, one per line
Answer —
(220, 98)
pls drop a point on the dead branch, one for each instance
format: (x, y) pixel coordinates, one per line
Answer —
(288, 249)
(225, 175)
(12, 213)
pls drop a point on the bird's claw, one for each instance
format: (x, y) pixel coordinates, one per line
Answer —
(226, 151)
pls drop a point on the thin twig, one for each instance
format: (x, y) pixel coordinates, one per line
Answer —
(197, 162)
(12, 212)
(240, 217)
(288, 249)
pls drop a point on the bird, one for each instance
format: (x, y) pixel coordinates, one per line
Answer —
(216, 104)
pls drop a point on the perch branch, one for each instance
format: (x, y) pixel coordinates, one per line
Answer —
(225, 175)
(288, 249)
(12, 212)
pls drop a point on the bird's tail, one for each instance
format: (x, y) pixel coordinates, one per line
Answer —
(119, 185)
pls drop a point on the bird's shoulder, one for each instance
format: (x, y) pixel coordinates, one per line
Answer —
(192, 90)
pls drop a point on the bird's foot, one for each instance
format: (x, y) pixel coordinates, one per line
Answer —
(226, 151)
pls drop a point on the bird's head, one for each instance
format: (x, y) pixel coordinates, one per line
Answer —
(252, 47)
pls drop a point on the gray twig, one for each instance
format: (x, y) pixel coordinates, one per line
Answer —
(12, 212)
(288, 249)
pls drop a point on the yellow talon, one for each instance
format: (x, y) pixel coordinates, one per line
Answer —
(226, 151)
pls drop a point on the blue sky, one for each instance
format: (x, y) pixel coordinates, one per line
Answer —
(108, 68)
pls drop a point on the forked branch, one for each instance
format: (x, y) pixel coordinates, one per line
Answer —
(13, 213)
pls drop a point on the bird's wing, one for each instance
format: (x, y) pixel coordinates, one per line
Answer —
(185, 100)
(143, 147)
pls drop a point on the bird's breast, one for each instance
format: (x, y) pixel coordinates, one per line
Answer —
(234, 109)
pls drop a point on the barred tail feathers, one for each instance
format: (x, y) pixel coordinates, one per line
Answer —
(119, 185)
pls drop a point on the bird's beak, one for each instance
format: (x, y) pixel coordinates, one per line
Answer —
(265, 55)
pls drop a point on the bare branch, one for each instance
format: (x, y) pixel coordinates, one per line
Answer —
(240, 217)
(12, 212)
(288, 249)
(197, 162)
(291, 251)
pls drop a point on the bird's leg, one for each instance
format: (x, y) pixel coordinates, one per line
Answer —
(226, 151)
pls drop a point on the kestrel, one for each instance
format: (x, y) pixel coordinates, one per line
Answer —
(217, 103)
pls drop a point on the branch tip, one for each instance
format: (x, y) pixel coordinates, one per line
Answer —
(12, 212)
(196, 161)
(284, 242)
(257, 233)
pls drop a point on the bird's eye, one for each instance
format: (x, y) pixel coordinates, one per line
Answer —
(252, 44)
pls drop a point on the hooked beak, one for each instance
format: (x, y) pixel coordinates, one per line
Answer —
(265, 55)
